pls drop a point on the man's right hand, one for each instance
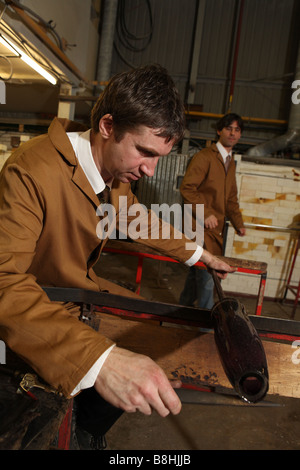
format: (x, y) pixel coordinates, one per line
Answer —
(211, 222)
(133, 382)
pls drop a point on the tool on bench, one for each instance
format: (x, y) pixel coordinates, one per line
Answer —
(218, 397)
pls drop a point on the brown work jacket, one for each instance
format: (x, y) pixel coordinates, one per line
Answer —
(48, 237)
(206, 182)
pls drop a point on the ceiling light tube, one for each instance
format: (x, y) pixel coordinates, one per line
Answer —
(32, 63)
(6, 43)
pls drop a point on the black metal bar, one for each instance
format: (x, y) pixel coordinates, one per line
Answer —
(195, 316)
(139, 306)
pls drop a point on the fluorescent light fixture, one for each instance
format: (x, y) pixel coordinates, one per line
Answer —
(32, 63)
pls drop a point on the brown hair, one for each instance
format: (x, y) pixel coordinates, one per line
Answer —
(228, 119)
(142, 96)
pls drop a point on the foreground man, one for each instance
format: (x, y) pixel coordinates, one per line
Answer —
(48, 237)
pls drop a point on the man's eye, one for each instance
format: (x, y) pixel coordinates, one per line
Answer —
(147, 154)
(236, 129)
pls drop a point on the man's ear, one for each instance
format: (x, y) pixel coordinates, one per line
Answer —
(106, 126)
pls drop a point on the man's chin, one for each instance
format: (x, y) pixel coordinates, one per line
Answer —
(128, 178)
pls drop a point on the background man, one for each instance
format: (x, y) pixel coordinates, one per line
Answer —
(49, 191)
(210, 179)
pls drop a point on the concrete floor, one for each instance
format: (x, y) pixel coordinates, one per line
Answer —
(200, 427)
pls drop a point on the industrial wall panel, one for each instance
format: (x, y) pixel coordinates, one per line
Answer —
(163, 187)
(172, 34)
(268, 46)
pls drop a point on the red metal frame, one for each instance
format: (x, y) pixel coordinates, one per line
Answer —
(139, 272)
(293, 288)
(148, 316)
(64, 433)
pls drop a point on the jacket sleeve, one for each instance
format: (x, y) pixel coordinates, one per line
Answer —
(233, 212)
(148, 228)
(195, 175)
(45, 334)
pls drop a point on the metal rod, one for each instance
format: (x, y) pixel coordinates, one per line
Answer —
(217, 283)
(272, 227)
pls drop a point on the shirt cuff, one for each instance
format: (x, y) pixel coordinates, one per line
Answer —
(195, 257)
(90, 378)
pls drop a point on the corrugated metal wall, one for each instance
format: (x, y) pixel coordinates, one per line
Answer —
(164, 185)
(266, 61)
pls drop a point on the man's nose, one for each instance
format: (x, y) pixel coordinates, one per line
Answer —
(148, 167)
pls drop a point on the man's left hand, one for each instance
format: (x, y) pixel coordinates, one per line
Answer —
(221, 268)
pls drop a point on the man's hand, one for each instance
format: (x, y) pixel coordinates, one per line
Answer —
(221, 268)
(211, 222)
(241, 232)
(133, 382)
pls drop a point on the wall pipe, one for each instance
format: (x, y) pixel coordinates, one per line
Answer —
(107, 40)
(236, 53)
(188, 112)
(248, 119)
(292, 134)
(196, 50)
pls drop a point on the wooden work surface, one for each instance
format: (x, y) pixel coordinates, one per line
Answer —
(138, 248)
(192, 355)
(187, 354)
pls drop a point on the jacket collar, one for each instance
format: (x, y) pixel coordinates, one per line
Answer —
(82, 147)
(218, 155)
(223, 151)
(57, 134)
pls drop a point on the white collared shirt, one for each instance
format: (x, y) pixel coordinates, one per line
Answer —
(223, 151)
(82, 147)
